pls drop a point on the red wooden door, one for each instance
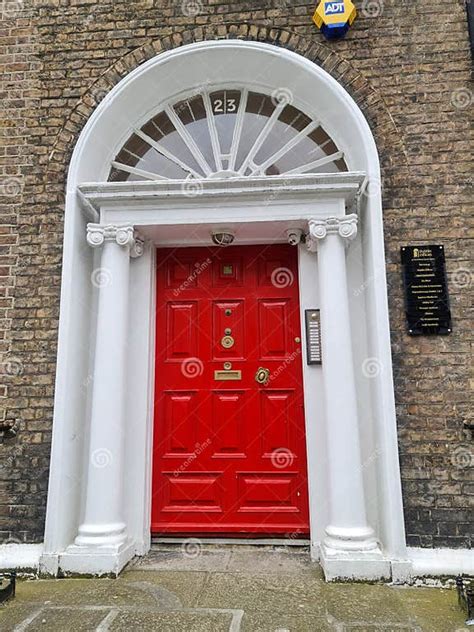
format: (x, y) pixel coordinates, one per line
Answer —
(229, 454)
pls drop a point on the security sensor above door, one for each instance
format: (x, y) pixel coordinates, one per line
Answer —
(223, 237)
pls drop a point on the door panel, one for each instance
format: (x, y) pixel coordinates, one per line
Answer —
(267, 492)
(229, 452)
(229, 436)
(223, 321)
(180, 271)
(180, 330)
(179, 424)
(275, 422)
(273, 329)
(191, 492)
(228, 269)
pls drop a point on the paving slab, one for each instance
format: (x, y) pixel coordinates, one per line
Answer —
(60, 592)
(61, 620)
(432, 607)
(113, 592)
(13, 613)
(164, 622)
(353, 602)
(254, 622)
(280, 560)
(185, 559)
(273, 592)
(185, 585)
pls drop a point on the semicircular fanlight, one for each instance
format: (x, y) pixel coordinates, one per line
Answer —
(226, 134)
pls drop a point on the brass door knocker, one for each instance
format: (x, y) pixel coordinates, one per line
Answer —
(262, 376)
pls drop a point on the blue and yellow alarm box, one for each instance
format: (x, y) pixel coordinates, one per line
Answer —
(334, 18)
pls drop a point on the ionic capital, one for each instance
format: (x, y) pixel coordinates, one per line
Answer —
(124, 235)
(345, 227)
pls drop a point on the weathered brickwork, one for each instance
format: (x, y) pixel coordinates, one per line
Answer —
(406, 64)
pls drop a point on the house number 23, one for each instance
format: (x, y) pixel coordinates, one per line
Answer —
(224, 106)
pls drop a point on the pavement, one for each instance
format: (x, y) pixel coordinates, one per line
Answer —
(194, 588)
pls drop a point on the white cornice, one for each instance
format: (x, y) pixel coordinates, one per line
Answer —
(342, 186)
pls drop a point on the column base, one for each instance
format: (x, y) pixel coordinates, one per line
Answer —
(113, 534)
(96, 560)
(350, 538)
(355, 565)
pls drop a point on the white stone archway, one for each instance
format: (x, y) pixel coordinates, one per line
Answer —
(350, 414)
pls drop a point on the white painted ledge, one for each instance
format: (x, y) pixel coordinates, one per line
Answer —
(20, 556)
(423, 562)
(432, 562)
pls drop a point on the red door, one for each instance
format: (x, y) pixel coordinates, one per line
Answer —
(229, 442)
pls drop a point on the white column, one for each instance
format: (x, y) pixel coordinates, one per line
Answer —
(348, 530)
(103, 524)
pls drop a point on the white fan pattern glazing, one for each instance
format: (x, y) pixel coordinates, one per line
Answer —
(225, 134)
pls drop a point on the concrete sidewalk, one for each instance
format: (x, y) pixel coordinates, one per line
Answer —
(227, 589)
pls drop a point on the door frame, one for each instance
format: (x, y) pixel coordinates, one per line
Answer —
(165, 217)
(259, 210)
(166, 213)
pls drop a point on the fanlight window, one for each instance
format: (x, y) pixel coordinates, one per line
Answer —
(225, 134)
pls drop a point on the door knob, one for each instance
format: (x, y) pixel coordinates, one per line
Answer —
(262, 376)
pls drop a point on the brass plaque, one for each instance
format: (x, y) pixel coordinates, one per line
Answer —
(227, 342)
(223, 376)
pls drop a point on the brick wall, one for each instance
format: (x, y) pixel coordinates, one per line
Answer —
(406, 64)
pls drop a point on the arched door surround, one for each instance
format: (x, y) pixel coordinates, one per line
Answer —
(258, 141)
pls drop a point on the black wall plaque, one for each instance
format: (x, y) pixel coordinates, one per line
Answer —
(426, 290)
